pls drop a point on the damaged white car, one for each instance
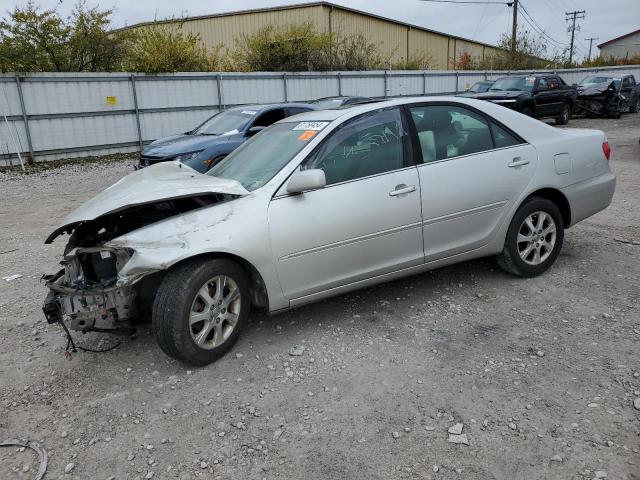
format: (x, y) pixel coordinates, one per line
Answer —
(320, 204)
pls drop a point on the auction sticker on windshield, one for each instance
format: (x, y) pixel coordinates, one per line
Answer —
(530, 81)
(307, 135)
(311, 126)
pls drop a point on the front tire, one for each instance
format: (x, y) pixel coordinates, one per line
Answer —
(200, 309)
(534, 238)
(564, 116)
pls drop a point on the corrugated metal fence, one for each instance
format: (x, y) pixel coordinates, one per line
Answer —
(68, 115)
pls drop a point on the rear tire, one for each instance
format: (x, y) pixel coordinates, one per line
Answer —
(635, 105)
(534, 238)
(200, 309)
(565, 115)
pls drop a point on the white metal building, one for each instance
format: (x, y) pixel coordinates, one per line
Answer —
(625, 46)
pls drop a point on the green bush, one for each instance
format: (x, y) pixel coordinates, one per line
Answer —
(160, 49)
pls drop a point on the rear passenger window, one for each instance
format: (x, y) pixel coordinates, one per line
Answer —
(446, 131)
(367, 145)
(503, 138)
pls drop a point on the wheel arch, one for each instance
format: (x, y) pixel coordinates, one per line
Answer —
(558, 198)
(258, 288)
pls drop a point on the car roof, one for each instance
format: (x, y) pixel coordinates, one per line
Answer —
(270, 106)
(334, 114)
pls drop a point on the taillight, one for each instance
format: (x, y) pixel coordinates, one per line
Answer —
(606, 149)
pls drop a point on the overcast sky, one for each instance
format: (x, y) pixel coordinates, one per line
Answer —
(605, 19)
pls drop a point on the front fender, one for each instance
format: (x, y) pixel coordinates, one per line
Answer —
(237, 227)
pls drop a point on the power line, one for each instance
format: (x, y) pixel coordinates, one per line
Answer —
(537, 24)
(539, 29)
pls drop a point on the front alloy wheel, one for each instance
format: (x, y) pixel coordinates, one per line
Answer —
(200, 309)
(214, 312)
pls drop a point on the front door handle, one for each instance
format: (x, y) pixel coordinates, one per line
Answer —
(402, 190)
(518, 162)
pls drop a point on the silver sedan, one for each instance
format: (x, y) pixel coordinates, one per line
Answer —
(320, 204)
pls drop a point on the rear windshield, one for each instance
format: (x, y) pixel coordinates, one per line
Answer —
(329, 103)
(513, 83)
(257, 161)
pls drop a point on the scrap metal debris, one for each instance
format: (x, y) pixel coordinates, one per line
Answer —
(11, 278)
(42, 454)
(628, 242)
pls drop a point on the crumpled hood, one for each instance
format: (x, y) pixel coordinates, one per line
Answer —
(172, 146)
(163, 181)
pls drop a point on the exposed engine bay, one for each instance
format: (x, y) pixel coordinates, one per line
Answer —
(87, 294)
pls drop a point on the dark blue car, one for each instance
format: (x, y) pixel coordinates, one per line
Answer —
(220, 135)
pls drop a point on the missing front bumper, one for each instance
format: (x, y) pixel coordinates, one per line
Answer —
(89, 309)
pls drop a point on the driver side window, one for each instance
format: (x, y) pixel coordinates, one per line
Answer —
(367, 145)
(542, 85)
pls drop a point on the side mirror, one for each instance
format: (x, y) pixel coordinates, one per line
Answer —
(305, 180)
(253, 130)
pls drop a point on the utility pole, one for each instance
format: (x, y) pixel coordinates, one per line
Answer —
(514, 27)
(573, 16)
(590, 44)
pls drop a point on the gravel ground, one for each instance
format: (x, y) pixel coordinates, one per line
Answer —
(542, 373)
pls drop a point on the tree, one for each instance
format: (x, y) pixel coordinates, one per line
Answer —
(162, 49)
(530, 52)
(37, 40)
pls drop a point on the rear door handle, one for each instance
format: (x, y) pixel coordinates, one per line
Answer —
(517, 162)
(402, 190)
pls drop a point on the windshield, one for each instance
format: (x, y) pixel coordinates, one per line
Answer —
(256, 161)
(225, 123)
(328, 103)
(596, 79)
(480, 87)
(524, 84)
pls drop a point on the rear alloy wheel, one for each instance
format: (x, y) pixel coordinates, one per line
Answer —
(200, 309)
(565, 115)
(534, 238)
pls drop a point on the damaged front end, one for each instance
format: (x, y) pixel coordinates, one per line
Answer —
(87, 294)
(603, 101)
(96, 290)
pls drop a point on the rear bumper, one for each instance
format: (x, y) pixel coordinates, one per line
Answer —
(591, 196)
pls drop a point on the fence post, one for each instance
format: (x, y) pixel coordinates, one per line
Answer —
(485, 74)
(219, 87)
(457, 73)
(137, 111)
(284, 85)
(339, 84)
(25, 120)
(385, 84)
(424, 82)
